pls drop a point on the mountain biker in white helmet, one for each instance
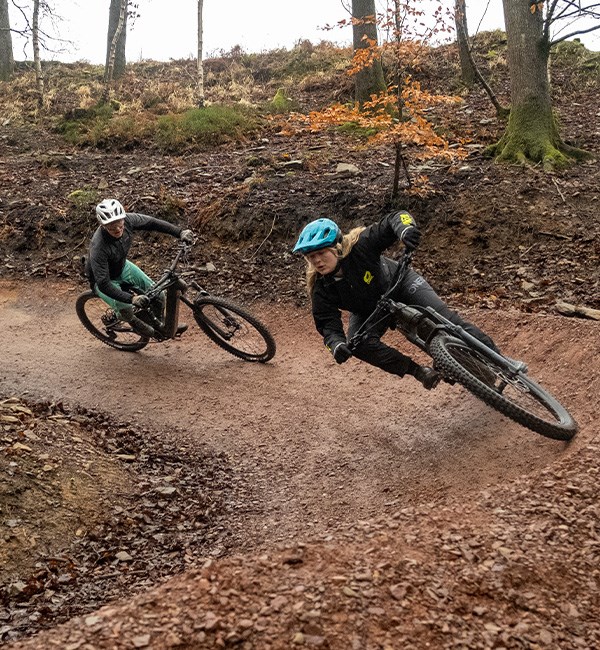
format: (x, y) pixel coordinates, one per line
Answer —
(349, 272)
(109, 270)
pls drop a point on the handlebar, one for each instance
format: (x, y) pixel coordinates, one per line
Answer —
(183, 247)
(165, 278)
(381, 308)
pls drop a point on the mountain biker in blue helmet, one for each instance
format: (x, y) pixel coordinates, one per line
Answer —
(349, 272)
(110, 272)
(321, 233)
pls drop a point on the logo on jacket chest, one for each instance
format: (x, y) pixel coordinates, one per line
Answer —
(368, 277)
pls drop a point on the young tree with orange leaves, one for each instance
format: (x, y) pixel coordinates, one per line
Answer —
(397, 116)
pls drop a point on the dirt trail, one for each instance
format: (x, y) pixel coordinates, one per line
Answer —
(319, 445)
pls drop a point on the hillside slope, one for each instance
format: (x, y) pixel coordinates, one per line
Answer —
(349, 530)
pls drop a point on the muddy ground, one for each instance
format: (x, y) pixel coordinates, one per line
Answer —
(201, 501)
(393, 515)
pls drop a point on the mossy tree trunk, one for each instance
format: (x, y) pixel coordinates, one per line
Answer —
(117, 32)
(7, 63)
(532, 134)
(369, 80)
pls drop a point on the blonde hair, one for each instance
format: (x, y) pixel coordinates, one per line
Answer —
(341, 249)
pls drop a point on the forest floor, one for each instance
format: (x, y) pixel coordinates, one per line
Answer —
(178, 497)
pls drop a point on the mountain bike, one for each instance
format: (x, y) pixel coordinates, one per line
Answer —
(227, 324)
(459, 357)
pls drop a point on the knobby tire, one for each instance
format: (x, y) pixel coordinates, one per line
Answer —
(119, 335)
(234, 329)
(482, 377)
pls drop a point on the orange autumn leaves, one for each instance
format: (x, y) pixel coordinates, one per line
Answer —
(380, 122)
(411, 121)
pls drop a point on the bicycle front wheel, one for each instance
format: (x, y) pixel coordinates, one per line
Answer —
(234, 329)
(517, 396)
(99, 319)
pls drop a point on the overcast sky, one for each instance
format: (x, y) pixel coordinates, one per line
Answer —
(167, 29)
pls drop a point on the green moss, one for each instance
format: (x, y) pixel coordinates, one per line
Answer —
(83, 198)
(281, 103)
(354, 129)
(208, 126)
(532, 137)
(84, 125)
(103, 127)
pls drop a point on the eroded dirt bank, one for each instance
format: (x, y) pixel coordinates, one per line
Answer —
(434, 504)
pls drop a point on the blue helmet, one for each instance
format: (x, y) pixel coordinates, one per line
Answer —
(321, 233)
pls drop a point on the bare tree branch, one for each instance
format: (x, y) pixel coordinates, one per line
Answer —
(572, 34)
(44, 38)
(568, 12)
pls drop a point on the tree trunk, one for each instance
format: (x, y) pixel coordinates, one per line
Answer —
(114, 46)
(369, 80)
(532, 133)
(467, 71)
(116, 39)
(37, 62)
(200, 77)
(7, 63)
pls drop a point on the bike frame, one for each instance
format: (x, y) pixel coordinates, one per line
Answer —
(420, 324)
(174, 287)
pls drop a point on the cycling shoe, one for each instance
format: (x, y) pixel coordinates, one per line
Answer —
(428, 377)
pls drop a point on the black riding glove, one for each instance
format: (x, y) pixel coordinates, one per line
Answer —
(411, 237)
(140, 301)
(341, 352)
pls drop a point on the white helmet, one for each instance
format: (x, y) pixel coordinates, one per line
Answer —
(109, 210)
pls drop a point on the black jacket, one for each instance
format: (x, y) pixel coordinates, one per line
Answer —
(107, 255)
(366, 276)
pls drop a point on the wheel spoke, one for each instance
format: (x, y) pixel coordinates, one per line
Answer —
(104, 324)
(234, 329)
(515, 395)
(512, 388)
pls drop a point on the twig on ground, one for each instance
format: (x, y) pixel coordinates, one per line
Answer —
(558, 190)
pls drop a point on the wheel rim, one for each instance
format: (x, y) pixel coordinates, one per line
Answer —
(234, 330)
(107, 324)
(517, 389)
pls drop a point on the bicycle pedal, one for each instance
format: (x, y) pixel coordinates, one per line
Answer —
(109, 318)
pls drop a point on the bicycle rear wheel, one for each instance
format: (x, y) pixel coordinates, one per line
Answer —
(234, 329)
(517, 396)
(99, 319)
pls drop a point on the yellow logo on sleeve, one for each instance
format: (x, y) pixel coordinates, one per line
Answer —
(406, 219)
(368, 277)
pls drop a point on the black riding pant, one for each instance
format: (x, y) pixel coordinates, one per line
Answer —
(414, 290)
